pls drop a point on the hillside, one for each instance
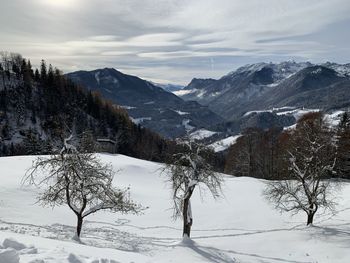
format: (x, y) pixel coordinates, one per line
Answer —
(239, 227)
(148, 105)
(39, 109)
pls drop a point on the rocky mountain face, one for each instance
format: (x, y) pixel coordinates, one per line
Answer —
(266, 85)
(148, 105)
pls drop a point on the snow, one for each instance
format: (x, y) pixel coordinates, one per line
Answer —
(201, 134)
(9, 256)
(181, 112)
(297, 113)
(281, 71)
(291, 127)
(255, 111)
(249, 67)
(223, 144)
(316, 71)
(11, 243)
(97, 77)
(201, 93)
(184, 92)
(334, 118)
(140, 120)
(127, 107)
(240, 227)
(343, 70)
(186, 124)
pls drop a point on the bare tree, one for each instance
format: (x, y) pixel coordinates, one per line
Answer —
(311, 160)
(190, 168)
(81, 181)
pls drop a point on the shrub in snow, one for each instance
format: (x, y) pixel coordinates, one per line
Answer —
(80, 181)
(11, 243)
(188, 169)
(9, 256)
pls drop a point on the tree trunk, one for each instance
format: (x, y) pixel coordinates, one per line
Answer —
(310, 214)
(187, 213)
(79, 225)
(310, 218)
(187, 218)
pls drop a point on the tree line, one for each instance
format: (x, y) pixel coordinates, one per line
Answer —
(39, 107)
(266, 153)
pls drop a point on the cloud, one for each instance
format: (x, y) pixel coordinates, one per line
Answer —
(174, 40)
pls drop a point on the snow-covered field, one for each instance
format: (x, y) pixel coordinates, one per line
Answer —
(240, 227)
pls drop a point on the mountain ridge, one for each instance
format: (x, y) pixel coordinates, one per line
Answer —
(253, 87)
(148, 105)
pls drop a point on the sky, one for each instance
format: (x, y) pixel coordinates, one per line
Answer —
(173, 41)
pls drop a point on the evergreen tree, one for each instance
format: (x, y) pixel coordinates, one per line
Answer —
(43, 71)
(36, 75)
(32, 144)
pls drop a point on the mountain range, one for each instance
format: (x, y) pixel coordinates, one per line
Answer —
(34, 118)
(264, 86)
(221, 104)
(147, 104)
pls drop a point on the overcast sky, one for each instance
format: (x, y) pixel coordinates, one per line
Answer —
(175, 40)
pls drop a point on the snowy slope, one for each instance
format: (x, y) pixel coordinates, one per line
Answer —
(240, 227)
(224, 144)
(201, 134)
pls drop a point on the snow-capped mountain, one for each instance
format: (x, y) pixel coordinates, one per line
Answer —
(259, 74)
(342, 69)
(148, 105)
(280, 71)
(264, 85)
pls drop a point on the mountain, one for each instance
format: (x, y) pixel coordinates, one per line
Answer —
(265, 85)
(245, 81)
(313, 87)
(148, 105)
